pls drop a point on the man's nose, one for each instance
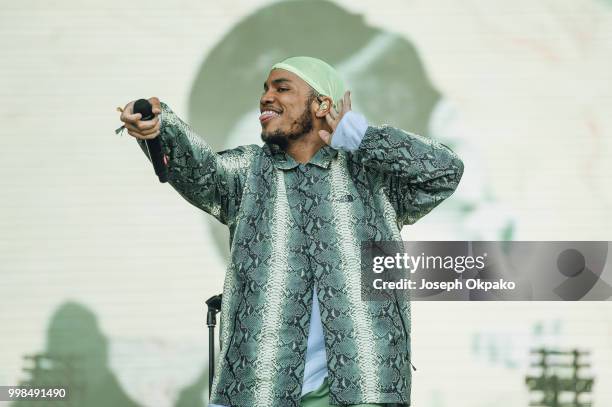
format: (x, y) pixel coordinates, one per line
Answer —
(267, 98)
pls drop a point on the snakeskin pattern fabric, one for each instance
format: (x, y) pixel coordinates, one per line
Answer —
(294, 224)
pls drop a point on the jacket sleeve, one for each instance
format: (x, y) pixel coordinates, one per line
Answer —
(208, 180)
(415, 172)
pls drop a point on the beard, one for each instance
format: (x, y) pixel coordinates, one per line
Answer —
(299, 128)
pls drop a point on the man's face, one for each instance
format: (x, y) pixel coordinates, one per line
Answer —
(286, 108)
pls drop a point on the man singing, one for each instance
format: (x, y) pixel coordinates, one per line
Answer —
(294, 329)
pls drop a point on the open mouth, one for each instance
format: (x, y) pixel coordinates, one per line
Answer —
(268, 115)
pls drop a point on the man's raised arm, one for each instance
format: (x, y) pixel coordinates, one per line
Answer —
(415, 172)
(210, 181)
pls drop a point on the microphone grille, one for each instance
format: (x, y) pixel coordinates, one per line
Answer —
(145, 108)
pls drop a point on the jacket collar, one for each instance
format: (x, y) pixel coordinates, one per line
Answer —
(284, 161)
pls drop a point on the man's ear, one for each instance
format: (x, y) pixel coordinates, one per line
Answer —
(325, 104)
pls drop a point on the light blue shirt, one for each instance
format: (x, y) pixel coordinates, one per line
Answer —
(315, 369)
(347, 136)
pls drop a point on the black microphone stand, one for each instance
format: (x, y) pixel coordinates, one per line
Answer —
(214, 306)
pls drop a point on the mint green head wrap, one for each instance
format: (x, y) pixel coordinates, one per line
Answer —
(321, 76)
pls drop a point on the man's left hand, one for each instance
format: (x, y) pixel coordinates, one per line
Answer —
(333, 117)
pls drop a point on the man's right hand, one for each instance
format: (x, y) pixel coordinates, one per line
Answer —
(141, 129)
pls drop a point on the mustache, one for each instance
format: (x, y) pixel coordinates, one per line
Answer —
(299, 129)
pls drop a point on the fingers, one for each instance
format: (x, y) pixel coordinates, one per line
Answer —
(333, 117)
(144, 127)
(346, 101)
(156, 105)
(333, 113)
(325, 136)
(141, 129)
(144, 130)
(128, 116)
(143, 136)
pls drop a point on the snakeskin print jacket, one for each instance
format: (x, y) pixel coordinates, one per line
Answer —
(293, 225)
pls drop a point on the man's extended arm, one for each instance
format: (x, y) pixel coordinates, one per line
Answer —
(210, 181)
(416, 173)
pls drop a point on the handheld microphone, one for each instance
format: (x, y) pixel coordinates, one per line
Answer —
(156, 154)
